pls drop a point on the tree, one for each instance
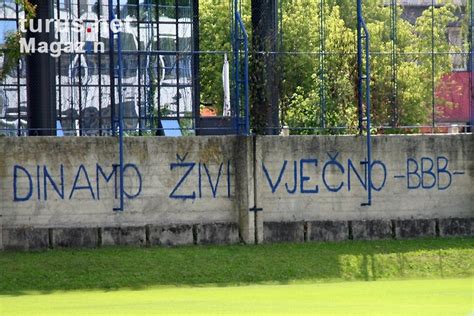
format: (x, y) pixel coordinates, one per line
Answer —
(307, 86)
(215, 36)
(415, 73)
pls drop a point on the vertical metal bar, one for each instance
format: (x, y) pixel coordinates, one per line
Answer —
(148, 90)
(433, 124)
(99, 69)
(369, 126)
(195, 66)
(120, 118)
(177, 63)
(236, 42)
(18, 90)
(363, 34)
(81, 112)
(394, 62)
(58, 74)
(58, 102)
(243, 123)
(72, 80)
(322, 53)
(471, 64)
(139, 70)
(246, 82)
(360, 99)
(111, 69)
(241, 115)
(158, 66)
(120, 122)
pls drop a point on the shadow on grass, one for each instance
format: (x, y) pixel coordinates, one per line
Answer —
(110, 269)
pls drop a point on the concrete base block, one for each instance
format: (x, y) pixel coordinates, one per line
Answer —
(124, 236)
(372, 230)
(218, 233)
(415, 228)
(176, 235)
(25, 238)
(328, 231)
(456, 227)
(283, 232)
(75, 237)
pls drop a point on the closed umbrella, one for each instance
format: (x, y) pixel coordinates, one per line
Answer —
(226, 82)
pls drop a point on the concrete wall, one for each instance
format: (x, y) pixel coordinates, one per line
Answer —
(60, 192)
(317, 179)
(171, 184)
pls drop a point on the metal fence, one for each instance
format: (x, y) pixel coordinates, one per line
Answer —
(157, 57)
(420, 57)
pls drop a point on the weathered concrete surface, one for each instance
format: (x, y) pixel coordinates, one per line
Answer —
(174, 235)
(25, 238)
(124, 236)
(169, 181)
(75, 237)
(305, 178)
(371, 229)
(218, 233)
(415, 228)
(456, 227)
(275, 232)
(266, 187)
(245, 197)
(328, 231)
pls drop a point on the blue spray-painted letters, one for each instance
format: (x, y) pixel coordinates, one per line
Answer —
(49, 187)
(187, 184)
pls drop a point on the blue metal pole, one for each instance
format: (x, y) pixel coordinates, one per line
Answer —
(322, 52)
(121, 125)
(359, 65)
(112, 69)
(363, 34)
(120, 118)
(236, 41)
(246, 80)
(241, 107)
(471, 63)
(369, 136)
(433, 64)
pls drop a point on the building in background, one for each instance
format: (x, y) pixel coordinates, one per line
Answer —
(157, 44)
(453, 93)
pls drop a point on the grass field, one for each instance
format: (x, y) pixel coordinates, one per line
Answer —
(428, 297)
(429, 276)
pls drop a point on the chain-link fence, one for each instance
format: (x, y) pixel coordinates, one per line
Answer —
(421, 70)
(179, 65)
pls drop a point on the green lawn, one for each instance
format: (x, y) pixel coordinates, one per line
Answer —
(428, 297)
(428, 276)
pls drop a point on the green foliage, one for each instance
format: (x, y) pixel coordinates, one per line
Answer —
(303, 78)
(415, 71)
(11, 51)
(301, 102)
(215, 36)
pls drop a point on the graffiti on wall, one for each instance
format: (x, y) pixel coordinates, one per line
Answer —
(39, 184)
(311, 175)
(194, 180)
(195, 176)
